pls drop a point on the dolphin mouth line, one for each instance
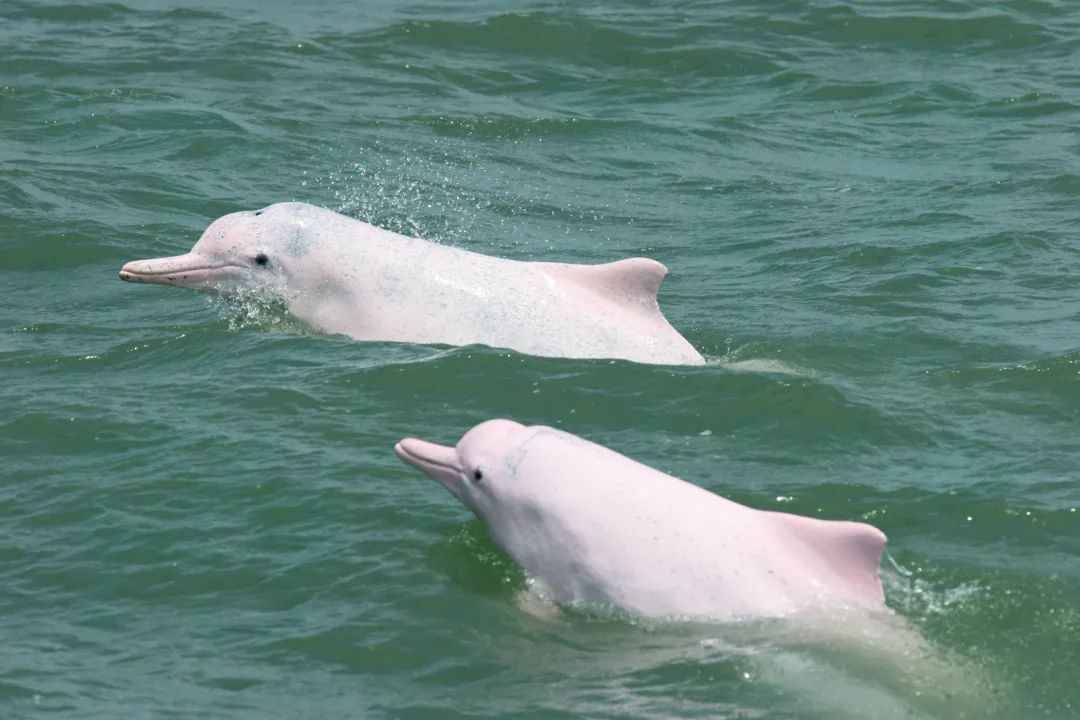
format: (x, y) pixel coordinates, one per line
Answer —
(421, 462)
(173, 274)
(446, 470)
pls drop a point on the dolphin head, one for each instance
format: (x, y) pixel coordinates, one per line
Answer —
(525, 484)
(244, 251)
(478, 470)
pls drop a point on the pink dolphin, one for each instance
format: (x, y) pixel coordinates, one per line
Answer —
(341, 275)
(596, 527)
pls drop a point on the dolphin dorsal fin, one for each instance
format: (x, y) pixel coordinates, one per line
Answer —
(852, 550)
(634, 281)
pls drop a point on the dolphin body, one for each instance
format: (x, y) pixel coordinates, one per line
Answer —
(597, 528)
(340, 275)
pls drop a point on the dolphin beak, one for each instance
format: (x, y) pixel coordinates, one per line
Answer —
(438, 461)
(191, 271)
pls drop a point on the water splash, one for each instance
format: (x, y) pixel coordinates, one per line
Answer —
(249, 309)
(736, 359)
(916, 597)
(445, 191)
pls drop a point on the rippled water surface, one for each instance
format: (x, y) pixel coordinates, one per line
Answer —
(869, 212)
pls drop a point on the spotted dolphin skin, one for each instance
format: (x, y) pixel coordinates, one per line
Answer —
(340, 275)
(596, 527)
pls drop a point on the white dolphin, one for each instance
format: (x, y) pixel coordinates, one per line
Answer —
(341, 275)
(596, 527)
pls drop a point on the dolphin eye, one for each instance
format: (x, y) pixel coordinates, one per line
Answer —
(261, 259)
(477, 475)
(258, 213)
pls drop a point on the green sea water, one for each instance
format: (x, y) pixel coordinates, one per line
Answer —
(870, 214)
